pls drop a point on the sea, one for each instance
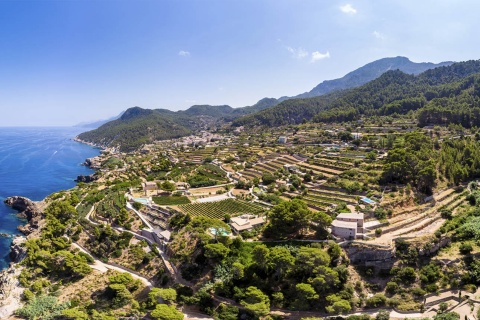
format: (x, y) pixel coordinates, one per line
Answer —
(36, 162)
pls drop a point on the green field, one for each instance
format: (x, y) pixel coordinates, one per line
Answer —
(219, 209)
(171, 200)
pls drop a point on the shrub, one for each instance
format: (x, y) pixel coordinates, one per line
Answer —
(378, 300)
(392, 287)
(383, 315)
(465, 248)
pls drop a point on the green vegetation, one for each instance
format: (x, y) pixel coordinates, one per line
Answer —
(431, 93)
(171, 200)
(218, 209)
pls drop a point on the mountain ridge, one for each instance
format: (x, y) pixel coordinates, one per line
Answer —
(360, 76)
(138, 126)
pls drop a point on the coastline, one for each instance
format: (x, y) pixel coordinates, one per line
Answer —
(11, 291)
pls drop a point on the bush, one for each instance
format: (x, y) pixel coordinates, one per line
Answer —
(418, 292)
(465, 248)
(383, 315)
(392, 287)
(378, 300)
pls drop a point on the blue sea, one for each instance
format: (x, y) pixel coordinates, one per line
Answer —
(35, 162)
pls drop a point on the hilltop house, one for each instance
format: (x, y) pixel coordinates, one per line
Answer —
(348, 226)
(246, 222)
(149, 186)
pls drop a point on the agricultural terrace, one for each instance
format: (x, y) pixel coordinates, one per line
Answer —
(219, 209)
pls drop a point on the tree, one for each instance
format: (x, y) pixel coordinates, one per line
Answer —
(383, 315)
(339, 307)
(168, 295)
(288, 217)
(447, 316)
(121, 296)
(334, 251)
(256, 301)
(378, 300)
(305, 294)
(167, 186)
(238, 270)
(216, 251)
(260, 255)
(226, 312)
(268, 178)
(164, 312)
(309, 260)
(465, 248)
(280, 260)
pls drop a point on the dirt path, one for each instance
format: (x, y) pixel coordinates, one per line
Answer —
(104, 267)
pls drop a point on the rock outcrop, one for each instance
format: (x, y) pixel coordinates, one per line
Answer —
(27, 209)
(10, 289)
(17, 249)
(371, 256)
(93, 163)
(89, 178)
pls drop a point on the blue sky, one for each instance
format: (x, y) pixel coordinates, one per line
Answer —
(63, 62)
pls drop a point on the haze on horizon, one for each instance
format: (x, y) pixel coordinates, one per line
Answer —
(65, 62)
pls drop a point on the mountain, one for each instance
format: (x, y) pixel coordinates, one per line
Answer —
(138, 126)
(360, 76)
(96, 124)
(447, 88)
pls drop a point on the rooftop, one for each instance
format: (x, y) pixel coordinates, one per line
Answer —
(344, 224)
(350, 216)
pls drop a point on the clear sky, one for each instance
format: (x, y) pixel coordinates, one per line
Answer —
(66, 61)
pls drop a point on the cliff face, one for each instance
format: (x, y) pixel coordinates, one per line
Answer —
(17, 249)
(89, 178)
(28, 210)
(371, 256)
(10, 289)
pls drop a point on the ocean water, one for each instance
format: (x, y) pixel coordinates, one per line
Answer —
(35, 162)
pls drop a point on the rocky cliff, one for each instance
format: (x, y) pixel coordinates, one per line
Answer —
(10, 289)
(371, 256)
(27, 209)
(89, 178)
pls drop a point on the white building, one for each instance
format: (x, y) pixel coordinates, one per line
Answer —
(348, 226)
(282, 139)
(356, 135)
(344, 229)
(246, 222)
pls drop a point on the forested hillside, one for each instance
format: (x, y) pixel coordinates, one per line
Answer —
(439, 96)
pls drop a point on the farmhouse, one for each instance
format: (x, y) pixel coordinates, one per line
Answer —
(246, 222)
(282, 139)
(149, 185)
(348, 225)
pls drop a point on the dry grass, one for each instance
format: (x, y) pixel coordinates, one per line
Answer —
(83, 289)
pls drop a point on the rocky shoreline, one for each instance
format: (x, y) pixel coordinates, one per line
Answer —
(10, 289)
(27, 209)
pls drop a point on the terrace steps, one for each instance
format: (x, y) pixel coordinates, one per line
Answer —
(324, 170)
(428, 215)
(332, 194)
(264, 168)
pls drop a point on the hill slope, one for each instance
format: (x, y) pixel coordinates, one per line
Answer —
(393, 92)
(358, 77)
